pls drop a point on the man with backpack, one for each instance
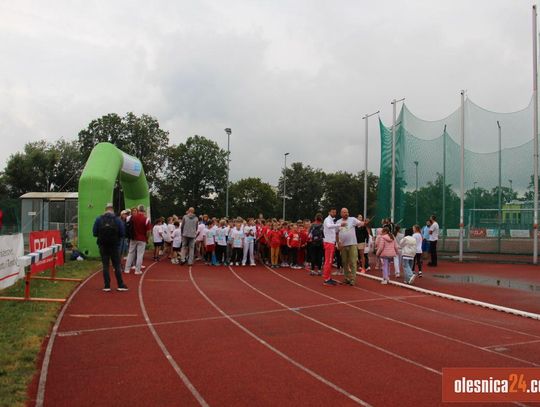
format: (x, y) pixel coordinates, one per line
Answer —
(109, 230)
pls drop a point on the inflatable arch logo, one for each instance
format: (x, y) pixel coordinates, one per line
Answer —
(105, 165)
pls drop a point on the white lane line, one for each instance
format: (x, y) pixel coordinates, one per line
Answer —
(465, 300)
(276, 351)
(448, 314)
(101, 315)
(40, 397)
(512, 344)
(402, 298)
(203, 319)
(407, 324)
(334, 329)
(164, 349)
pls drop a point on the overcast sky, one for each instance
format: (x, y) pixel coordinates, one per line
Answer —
(286, 76)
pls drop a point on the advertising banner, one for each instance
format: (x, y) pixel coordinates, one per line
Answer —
(42, 240)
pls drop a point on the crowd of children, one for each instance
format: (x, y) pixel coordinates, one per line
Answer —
(298, 245)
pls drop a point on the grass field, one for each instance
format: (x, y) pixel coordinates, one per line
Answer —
(24, 325)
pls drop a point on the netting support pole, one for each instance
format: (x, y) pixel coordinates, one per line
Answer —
(535, 136)
(444, 190)
(394, 124)
(462, 178)
(366, 117)
(500, 190)
(393, 191)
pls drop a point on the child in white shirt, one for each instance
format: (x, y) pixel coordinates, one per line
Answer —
(221, 242)
(176, 242)
(157, 234)
(237, 236)
(250, 231)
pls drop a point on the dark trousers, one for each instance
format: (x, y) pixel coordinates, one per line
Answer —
(417, 261)
(237, 255)
(338, 259)
(221, 253)
(433, 252)
(293, 256)
(316, 256)
(111, 254)
(366, 260)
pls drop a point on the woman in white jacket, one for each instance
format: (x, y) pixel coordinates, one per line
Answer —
(408, 252)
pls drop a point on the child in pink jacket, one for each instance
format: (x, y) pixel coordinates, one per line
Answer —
(387, 249)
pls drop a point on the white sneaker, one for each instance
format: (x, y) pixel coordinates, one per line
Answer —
(398, 275)
(384, 282)
(243, 264)
(237, 264)
(106, 289)
(126, 271)
(411, 280)
(252, 264)
(143, 267)
(138, 273)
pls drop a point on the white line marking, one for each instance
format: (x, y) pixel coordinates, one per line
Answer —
(334, 329)
(184, 321)
(512, 344)
(278, 352)
(40, 397)
(407, 324)
(495, 307)
(398, 299)
(164, 349)
(101, 315)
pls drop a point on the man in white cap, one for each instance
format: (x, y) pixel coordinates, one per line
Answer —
(109, 230)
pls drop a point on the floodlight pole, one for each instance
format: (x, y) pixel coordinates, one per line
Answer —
(416, 191)
(462, 178)
(366, 117)
(500, 187)
(535, 135)
(285, 183)
(394, 119)
(228, 131)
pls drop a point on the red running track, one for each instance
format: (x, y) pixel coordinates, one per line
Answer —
(254, 336)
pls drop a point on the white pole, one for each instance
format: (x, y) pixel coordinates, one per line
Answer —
(228, 131)
(462, 192)
(393, 200)
(535, 136)
(366, 162)
(285, 184)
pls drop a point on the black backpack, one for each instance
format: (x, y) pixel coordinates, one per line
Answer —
(108, 233)
(317, 235)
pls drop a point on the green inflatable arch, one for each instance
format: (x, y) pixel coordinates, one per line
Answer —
(105, 165)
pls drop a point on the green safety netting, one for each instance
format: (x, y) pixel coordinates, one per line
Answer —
(435, 147)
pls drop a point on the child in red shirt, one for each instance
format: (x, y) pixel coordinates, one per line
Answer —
(303, 244)
(284, 248)
(294, 243)
(274, 240)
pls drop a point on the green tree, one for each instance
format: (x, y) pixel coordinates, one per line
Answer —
(343, 189)
(195, 175)
(43, 167)
(141, 137)
(250, 197)
(430, 202)
(305, 189)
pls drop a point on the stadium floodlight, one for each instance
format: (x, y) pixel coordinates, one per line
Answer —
(228, 131)
(284, 183)
(394, 124)
(366, 117)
